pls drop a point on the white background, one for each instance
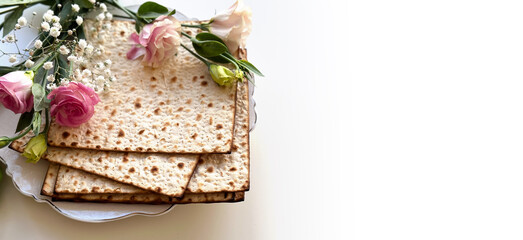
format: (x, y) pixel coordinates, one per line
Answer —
(377, 120)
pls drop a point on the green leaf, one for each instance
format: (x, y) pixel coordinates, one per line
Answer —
(25, 120)
(39, 97)
(84, 3)
(249, 66)
(5, 70)
(209, 48)
(151, 10)
(80, 33)
(219, 59)
(63, 71)
(209, 36)
(65, 14)
(11, 19)
(37, 122)
(139, 25)
(7, 3)
(40, 75)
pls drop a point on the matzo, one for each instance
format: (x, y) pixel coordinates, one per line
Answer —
(214, 173)
(176, 108)
(227, 172)
(167, 174)
(70, 180)
(132, 195)
(50, 179)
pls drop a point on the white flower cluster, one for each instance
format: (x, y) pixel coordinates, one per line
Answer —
(102, 19)
(89, 67)
(10, 38)
(51, 24)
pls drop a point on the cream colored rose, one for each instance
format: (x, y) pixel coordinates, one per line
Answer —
(233, 26)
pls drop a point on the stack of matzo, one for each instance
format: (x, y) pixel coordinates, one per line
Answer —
(164, 135)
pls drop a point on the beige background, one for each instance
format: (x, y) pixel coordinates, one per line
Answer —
(300, 174)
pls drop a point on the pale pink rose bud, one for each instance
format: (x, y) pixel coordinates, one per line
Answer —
(157, 41)
(15, 91)
(73, 104)
(233, 26)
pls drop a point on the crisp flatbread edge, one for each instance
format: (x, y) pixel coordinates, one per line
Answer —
(148, 198)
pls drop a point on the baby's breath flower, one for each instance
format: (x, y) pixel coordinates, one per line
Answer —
(51, 86)
(69, 32)
(99, 65)
(109, 16)
(86, 73)
(103, 7)
(107, 72)
(47, 17)
(64, 50)
(48, 65)
(71, 58)
(55, 19)
(45, 26)
(64, 81)
(12, 58)
(55, 32)
(50, 78)
(79, 60)
(100, 17)
(82, 43)
(92, 1)
(100, 78)
(17, 26)
(38, 44)
(108, 62)
(22, 21)
(75, 7)
(89, 50)
(57, 25)
(29, 63)
(79, 20)
(10, 38)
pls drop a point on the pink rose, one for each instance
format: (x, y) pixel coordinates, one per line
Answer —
(15, 91)
(233, 26)
(158, 41)
(73, 104)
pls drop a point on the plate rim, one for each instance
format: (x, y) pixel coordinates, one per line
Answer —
(9, 173)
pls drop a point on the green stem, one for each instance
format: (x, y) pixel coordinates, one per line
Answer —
(120, 16)
(186, 35)
(36, 67)
(39, 65)
(196, 55)
(204, 26)
(231, 59)
(127, 11)
(47, 122)
(21, 134)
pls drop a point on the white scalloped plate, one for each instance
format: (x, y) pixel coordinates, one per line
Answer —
(28, 178)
